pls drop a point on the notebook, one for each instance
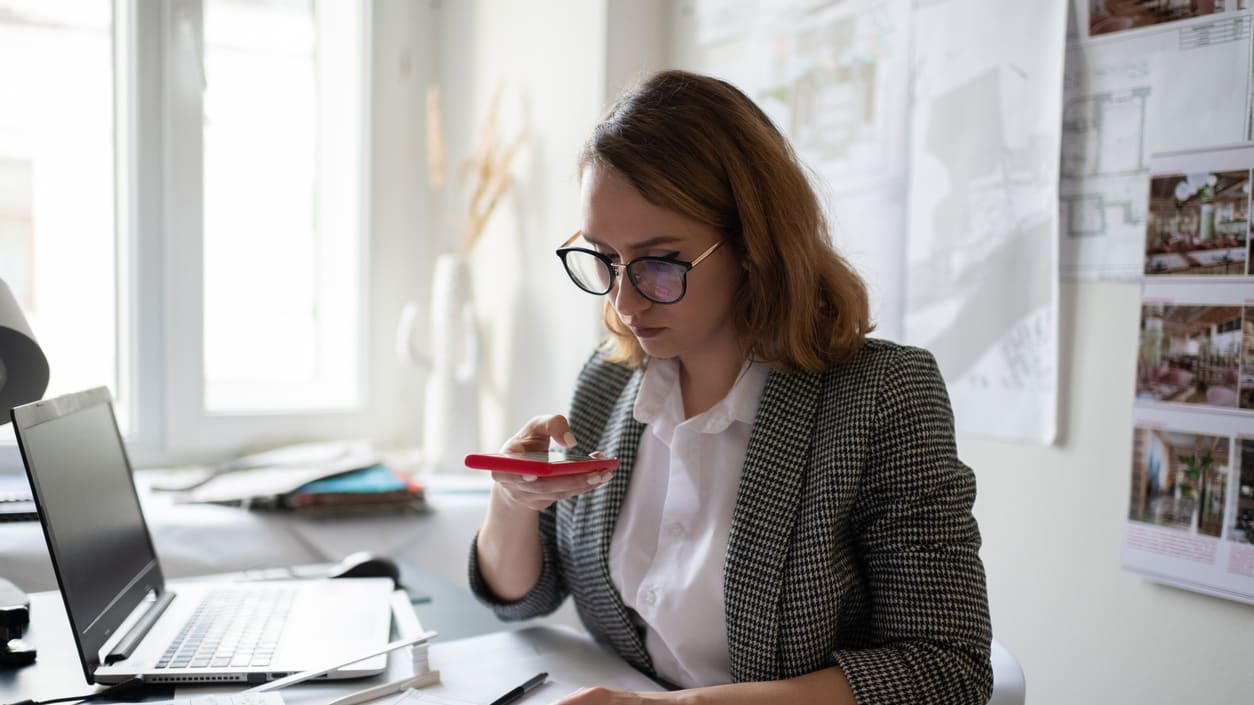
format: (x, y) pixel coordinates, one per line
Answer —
(16, 504)
(127, 621)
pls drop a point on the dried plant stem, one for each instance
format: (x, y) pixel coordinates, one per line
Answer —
(490, 173)
(435, 138)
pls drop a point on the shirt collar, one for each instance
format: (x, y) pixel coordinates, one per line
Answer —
(660, 400)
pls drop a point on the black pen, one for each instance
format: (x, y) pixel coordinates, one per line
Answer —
(531, 684)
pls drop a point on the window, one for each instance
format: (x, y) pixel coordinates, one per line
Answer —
(182, 213)
(57, 235)
(282, 154)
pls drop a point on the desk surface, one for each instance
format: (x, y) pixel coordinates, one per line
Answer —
(570, 657)
(470, 635)
(482, 668)
(440, 605)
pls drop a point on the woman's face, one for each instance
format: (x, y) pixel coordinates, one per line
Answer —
(620, 223)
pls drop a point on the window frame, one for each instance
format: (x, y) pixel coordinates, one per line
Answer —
(158, 171)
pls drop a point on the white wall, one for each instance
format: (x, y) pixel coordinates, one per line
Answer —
(1053, 519)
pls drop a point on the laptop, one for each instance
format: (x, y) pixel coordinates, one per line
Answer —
(127, 621)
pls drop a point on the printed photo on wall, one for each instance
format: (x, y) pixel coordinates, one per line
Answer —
(1190, 354)
(1241, 527)
(1109, 16)
(1190, 518)
(1179, 480)
(1198, 224)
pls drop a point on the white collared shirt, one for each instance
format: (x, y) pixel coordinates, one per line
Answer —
(670, 540)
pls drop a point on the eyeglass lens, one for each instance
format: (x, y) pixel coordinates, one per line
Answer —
(658, 280)
(589, 272)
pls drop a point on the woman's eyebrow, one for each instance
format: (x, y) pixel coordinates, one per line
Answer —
(651, 242)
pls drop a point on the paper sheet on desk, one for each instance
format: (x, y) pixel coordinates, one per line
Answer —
(480, 669)
(267, 482)
(418, 697)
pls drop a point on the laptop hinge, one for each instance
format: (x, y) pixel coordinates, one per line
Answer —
(126, 645)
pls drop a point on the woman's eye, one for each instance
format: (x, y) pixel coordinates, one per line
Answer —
(669, 256)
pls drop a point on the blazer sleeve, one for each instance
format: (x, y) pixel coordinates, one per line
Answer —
(550, 588)
(919, 546)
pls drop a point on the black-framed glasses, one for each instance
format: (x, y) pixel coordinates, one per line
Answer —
(661, 280)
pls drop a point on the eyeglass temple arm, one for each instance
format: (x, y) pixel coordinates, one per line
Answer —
(705, 254)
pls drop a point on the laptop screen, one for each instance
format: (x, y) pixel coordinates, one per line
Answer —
(81, 479)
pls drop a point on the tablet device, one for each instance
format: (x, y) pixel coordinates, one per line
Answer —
(540, 464)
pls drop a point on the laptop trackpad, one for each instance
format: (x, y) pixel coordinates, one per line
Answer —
(337, 620)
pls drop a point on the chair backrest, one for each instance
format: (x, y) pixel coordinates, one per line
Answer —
(1008, 684)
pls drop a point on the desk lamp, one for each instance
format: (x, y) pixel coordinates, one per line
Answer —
(23, 367)
(23, 379)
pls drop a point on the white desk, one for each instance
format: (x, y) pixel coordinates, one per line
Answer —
(480, 669)
(475, 669)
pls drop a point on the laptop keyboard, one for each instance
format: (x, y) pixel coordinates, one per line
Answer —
(231, 629)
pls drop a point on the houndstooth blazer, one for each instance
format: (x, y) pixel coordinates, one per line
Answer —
(852, 541)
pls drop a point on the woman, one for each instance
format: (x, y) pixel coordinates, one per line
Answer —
(789, 522)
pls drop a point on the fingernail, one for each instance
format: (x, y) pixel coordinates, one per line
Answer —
(596, 479)
(528, 478)
(569, 439)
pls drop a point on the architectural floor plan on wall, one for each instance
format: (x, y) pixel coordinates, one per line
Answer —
(981, 239)
(940, 145)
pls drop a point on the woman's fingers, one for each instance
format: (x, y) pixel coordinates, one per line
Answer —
(537, 434)
(539, 493)
(556, 487)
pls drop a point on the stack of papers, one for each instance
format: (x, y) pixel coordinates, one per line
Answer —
(374, 487)
(347, 480)
(16, 503)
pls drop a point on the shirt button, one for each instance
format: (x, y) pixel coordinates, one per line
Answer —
(675, 529)
(649, 597)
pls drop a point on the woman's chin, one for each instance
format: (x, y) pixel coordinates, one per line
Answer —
(655, 348)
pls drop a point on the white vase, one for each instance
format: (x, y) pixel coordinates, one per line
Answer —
(451, 403)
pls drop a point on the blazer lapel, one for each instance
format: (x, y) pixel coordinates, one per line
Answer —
(770, 488)
(600, 510)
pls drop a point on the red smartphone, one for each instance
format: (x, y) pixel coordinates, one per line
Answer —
(541, 464)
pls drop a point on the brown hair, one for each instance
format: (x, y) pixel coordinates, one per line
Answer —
(698, 146)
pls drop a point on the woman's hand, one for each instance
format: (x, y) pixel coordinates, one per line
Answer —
(537, 493)
(606, 696)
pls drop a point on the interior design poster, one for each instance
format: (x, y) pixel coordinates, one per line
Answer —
(1136, 74)
(1191, 502)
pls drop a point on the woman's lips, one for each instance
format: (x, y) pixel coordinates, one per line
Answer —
(646, 332)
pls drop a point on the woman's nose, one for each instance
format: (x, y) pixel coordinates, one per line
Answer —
(627, 301)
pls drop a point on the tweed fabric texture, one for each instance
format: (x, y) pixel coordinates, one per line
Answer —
(852, 541)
